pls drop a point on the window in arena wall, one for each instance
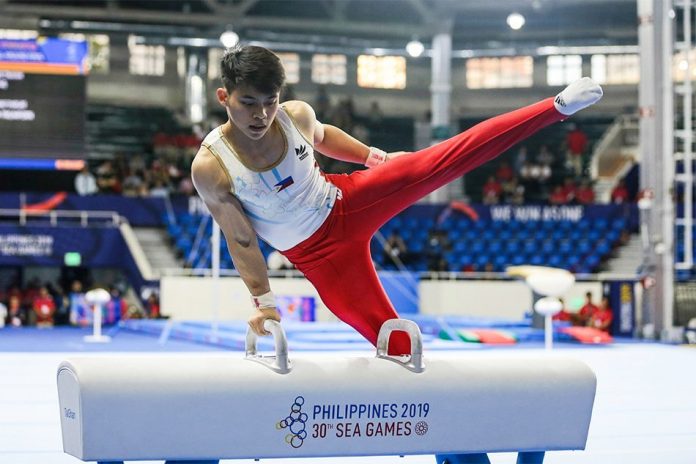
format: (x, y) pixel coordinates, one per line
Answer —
(99, 50)
(497, 73)
(382, 72)
(291, 63)
(146, 60)
(616, 69)
(329, 69)
(18, 34)
(214, 60)
(599, 68)
(563, 69)
(679, 65)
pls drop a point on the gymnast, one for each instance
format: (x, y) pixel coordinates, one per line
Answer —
(257, 175)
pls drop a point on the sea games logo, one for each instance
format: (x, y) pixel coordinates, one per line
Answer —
(354, 421)
(296, 423)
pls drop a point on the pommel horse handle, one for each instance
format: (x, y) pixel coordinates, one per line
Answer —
(415, 363)
(278, 363)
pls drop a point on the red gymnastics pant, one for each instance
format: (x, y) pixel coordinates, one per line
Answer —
(336, 258)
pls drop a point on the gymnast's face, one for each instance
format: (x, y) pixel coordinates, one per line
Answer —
(251, 111)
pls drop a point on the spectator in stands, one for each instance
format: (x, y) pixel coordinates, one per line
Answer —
(288, 93)
(601, 318)
(584, 195)
(563, 315)
(152, 306)
(535, 173)
(576, 144)
(16, 317)
(327, 236)
(3, 314)
(395, 250)
(159, 189)
(361, 132)
(583, 316)
(107, 179)
(343, 116)
(620, 193)
(375, 115)
(504, 173)
(31, 292)
(544, 157)
(116, 308)
(186, 185)
(491, 191)
(62, 302)
(322, 104)
(438, 245)
(44, 309)
(514, 192)
(558, 196)
(80, 311)
(85, 182)
(520, 160)
(134, 183)
(569, 190)
(528, 173)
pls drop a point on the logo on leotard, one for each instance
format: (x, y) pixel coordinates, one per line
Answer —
(283, 184)
(560, 101)
(301, 152)
(296, 422)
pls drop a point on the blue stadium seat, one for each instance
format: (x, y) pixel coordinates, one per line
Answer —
(523, 235)
(505, 234)
(530, 246)
(576, 235)
(600, 224)
(618, 224)
(494, 247)
(556, 261)
(603, 248)
(512, 247)
(455, 234)
(583, 224)
(594, 261)
(593, 235)
(548, 246)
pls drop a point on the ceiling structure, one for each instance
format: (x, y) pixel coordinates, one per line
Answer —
(474, 24)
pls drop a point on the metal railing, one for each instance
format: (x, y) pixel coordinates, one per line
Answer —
(55, 218)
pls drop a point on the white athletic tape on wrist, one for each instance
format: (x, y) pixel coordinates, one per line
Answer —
(376, 157)
(267, 300)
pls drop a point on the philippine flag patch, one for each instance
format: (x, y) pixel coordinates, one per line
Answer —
(283, 184)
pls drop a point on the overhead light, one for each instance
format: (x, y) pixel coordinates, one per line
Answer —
(415, 48)
(515, 21)
(229, 39)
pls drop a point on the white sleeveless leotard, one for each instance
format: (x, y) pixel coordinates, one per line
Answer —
(288, 201)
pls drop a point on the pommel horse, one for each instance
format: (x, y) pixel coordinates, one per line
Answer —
(202, 409)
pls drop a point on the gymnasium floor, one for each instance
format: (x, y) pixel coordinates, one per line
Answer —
(645, 410)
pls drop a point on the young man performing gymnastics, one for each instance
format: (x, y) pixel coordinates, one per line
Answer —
(257, 175)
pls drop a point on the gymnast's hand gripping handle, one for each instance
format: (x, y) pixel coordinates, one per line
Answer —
(278, 363)
(415, 363)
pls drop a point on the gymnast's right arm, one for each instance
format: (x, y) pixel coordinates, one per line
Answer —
(214, 188)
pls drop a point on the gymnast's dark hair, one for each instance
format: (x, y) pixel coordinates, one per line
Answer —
(257, 67)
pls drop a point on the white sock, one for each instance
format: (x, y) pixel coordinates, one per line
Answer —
(578, 95)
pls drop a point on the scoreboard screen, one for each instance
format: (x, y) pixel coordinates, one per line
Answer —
(42, 99)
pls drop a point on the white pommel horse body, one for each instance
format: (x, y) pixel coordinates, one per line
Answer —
(201, 409)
